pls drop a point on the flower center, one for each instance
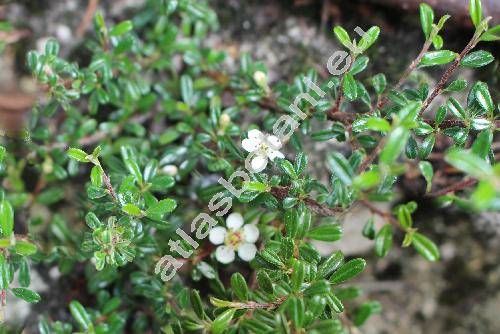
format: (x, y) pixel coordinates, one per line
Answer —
(233, 238)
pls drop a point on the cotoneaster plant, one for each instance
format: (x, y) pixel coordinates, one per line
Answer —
(128, 147)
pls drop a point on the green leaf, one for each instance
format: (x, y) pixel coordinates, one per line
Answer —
(187, 89)
(476, 12)
(96, 176)
(133, 168)
(291, 221)
(483, 96)
(331, 264)
(348, 270)
(80, 315)
(457, 85)
(52, 47)
(6, 218)
(320, 287)
(287, 167)
(26, 295)
(349, 87)
(296, 310)
(297, 276)
(425, 247)
(239, 286)
(491, 35)
(329, 232)
(339, 166)
(132, 210)
(383, 240)
(265, 282)
(24, 274)
(255, 186)
(477, 59)
(404, 216)
(369, 229)
(379, 83)
(482, 144)
(78, 155)
(396, 142)
(121, 28)
(25, 248)
(359, 65)
(160, 208)
(469, 163)
(440, 57)
(456, 109)
(427, 172)
(197, 304)
(220, 324)
(342, 36)
(426, 19)
(369, 38)
(378, 124)
(364, 311)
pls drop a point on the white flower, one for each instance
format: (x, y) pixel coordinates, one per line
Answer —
(264, 147)
(236, 237)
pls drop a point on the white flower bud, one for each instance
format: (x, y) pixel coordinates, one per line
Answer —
(171, 170)
(260, 79)
(224, 120)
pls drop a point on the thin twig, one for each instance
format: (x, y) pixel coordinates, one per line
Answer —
(87, 18)
(446, 76)
(467, 182)
(320, 209)
(383, 101)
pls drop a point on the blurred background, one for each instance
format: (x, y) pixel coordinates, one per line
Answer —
(460, 294)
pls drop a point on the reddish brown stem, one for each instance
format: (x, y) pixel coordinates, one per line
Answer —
(446, 76)
(320, 209)
(453, 188)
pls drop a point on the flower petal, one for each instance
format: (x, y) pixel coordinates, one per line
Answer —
(274, 142)
(255, 134)
(247, 252)
(250, 145)
(250, 233)
(273, 154)
(224, 254)
(217, 235)
(258, 163)
(234, 221)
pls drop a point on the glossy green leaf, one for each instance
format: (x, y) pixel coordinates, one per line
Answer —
(383, 240)
(425, 247)
(396, 142)
(426, 18)
(441, 57)
(348, 270)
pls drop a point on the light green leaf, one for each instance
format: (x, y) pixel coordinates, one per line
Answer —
(476, 12)
(349, 87)
(469, 163)
(342, 36)
(369, 38)
(426, 18)
(396, 142)
(427, 173)
(440, 57)
(6, 218)
(425, 247)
